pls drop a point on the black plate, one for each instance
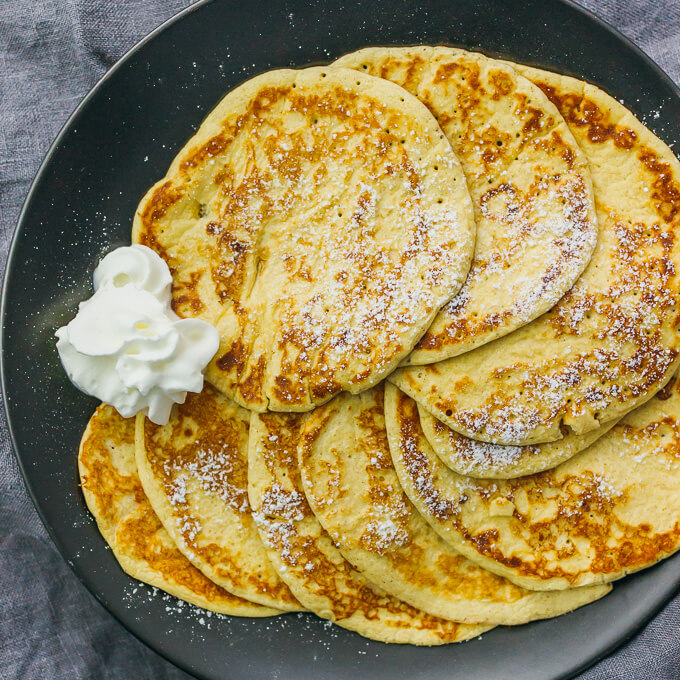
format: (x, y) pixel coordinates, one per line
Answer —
(118, 142)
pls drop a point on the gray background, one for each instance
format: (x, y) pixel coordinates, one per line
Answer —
(51, 53)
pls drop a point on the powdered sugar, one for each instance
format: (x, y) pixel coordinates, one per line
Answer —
(480, 455)
(283, 503)
(385, 534)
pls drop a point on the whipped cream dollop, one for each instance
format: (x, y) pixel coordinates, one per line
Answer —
(127, 347)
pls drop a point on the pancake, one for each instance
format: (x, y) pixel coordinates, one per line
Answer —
(612, 341)
(306, 557)
(194, 472)
(319, 219)
(143, 548)
(497, 461)
(611, 510)
(354, 492)
(529, 183)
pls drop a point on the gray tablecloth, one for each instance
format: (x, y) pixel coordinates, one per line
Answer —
(51, 53)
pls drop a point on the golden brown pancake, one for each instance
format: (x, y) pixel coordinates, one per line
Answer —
(307, 558)
(194, 471)
(354, 492)
(529, 183)
(319, 219)
(612, 341)
(143, 548)
(611, 510)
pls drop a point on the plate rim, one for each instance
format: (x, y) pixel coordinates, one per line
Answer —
(11, 264)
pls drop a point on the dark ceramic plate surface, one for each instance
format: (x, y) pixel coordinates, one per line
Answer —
(119, 141)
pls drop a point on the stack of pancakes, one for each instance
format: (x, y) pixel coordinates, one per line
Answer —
(447, 291)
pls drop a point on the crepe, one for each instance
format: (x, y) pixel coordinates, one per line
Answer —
(194, 472)
(114, 495)
(319, 219)
(352, 487)
(612, 341)
(529, 182)
(611, 510)
(497, 461)
(306, 557)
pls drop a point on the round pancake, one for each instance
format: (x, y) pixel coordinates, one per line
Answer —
(612, 341)
(497, 461)
(354, 492)
(307, 558)
(319, 219)
(143, 548)
(194, 471)
(611, 510)
(529, 183)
